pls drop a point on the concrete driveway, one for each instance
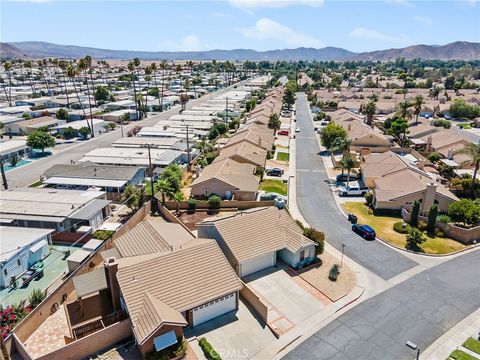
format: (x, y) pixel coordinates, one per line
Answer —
(289, 303)
(236, 335)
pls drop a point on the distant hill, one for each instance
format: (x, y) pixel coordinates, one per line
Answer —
(10, 51)
(458, 50)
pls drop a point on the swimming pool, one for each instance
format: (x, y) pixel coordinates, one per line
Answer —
(20, 163)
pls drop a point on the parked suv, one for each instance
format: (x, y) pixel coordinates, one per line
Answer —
(274, 172)
(364, 231)
(353, 191)
(343, 177)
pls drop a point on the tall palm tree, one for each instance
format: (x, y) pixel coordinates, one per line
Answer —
(403, 107)
(163, 66)
(131, 68)
(88, 63)
(63, 68)
(72, 72)
(83, 66)
(369, 109)
(348, 163)
(417, 106)
(472, 151)
(28, 65)
(148, 76)
(8, 66)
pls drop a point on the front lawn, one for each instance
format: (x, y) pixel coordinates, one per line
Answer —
(464, 126)
(460, 355)
(283, 156)
(472, 344)
(383, 226)
(276, 186)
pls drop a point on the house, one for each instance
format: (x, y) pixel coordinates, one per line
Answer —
(255, 134)
(98, 126)
(244, 153)
(227, 178)
(253, 240)
(25, 127)
(20, 249)
(86, 175)
(117, 115)
(53, 209)
(399, 189)
(11, 148)
(447, 144)
(173, 296)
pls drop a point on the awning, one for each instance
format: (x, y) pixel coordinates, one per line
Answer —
(418, 141)
(58, 180)
(38, 246)
(163, 341)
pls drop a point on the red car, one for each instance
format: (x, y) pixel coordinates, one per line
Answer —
(282, 132)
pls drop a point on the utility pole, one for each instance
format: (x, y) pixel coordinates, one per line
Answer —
(343, 249)
(226, 110)
(153, 200)
(188, 149)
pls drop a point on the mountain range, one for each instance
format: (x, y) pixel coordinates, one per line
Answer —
(459, 50)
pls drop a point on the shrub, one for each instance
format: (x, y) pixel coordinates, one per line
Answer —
(317, 236)
(334, 272)
(439, 233)
(415, 212)
(208, 350)
(422, 225)
(414, 239)
(434, 157)
(432, 219)
(36, 297)
(444, 219)
(214, 202)
(192, 204)
(300, 224)
(369, 198)
(400, 228)
(103, 234)
(442, 123)
(465, 211)
(370, 211)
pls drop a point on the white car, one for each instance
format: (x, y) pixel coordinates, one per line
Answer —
(297, 130)
(352, 191)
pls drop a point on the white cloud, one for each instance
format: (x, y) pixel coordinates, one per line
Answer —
(187, 43)
(258, 4)
(364, 33)
(267, 29)
(400, 2)
(471, 2)
(423, 19)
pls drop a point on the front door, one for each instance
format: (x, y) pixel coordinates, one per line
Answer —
(302, 255)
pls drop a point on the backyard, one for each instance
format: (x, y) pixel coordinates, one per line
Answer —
(383, 226)
(275, 186)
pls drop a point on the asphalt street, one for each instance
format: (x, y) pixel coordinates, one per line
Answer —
(317, 205)
(419, 309)
(31, 173)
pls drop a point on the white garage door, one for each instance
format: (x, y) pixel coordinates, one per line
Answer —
(256, 264)
(214, 308)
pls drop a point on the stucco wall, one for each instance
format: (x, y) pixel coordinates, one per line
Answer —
(254, 301)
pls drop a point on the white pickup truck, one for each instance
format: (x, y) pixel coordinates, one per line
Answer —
(352, 191)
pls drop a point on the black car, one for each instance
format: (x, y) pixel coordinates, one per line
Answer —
(364, 231)
(274, 172)
(343, 177)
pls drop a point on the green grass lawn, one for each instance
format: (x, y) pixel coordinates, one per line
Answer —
(464, 126)
(276, 186)
(283, 156)
(472, 344)
(460, 355)
(383, 226)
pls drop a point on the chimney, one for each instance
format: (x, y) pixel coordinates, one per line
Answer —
(429, 143)
(450, 154)
(429, 197)
(259, 141)
(111, 267)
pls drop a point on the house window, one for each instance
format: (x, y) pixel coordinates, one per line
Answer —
(302, 255)
(207, 192)
(5, 272)
(19, 263)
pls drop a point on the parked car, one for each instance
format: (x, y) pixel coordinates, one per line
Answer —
(297, 130)
(283, 132)
(353, 191)
(343, 177)
(364, 231)
(274, 172)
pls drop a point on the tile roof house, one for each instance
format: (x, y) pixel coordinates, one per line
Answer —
(252, 240)
(255, 134)
(244, 153)
(227, 178)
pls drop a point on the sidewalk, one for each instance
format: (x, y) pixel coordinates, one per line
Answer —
(454, 338)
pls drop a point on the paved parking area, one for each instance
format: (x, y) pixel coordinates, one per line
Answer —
(236, 335)
(289, 301)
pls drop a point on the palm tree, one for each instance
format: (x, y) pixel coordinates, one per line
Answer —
(83, 65)
(369, 110)
(148, 76)
(473, 151)
(8, 66)
(165, 188)
(403, 107)
(72, 73)
(417, 106)
(2, 170)
(63, 68)
(131, 68)
(88, 63)
(28, 65)
(153, 66)
(347, 163)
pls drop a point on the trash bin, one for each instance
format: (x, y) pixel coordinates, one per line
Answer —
(352, 218)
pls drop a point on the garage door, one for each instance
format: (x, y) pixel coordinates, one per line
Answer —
(214, 308)
(256, 264)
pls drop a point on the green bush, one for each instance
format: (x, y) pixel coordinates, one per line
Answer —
(103, 234)
(36, 297)
(208, 350)
(369, 198)
(398, 227)
(422, 225)
(334, 272)
(317, 236)
(192, 204)
(444, 219)
(439, 233)
(174, 351)
(214, 202)
(434, 157)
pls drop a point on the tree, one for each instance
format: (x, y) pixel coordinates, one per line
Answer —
(274, 122)
(473, 152)
(14, 160)
(432, 219)
(459, 109)
(289, 94)
(317, 236)
(62, 114)
(172, 174)
(414, 239)
(110, 126)
(2, 171)
(214, 202)
(102, 93)
(399, 129)
(130, 196)
(84, 132)
(165, 188)
(68, 133)
(434, 156)
(465, 211)
(415, 213)
(36, 297)
(348, 163)
(330, 133)
(403, 107)
(40, 140)
(369, 109)
(417, 106)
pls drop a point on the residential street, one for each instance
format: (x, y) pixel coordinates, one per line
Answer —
(24, 176)
(419, 309)
(317, 205)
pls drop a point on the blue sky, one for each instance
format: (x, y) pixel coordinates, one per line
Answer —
(227, 24)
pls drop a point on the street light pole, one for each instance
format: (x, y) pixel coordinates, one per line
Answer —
(226, 110)
(343, 249)
(152, 201)
(413, 346)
